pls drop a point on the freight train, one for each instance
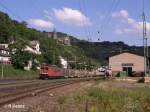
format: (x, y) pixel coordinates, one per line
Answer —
(49, 71)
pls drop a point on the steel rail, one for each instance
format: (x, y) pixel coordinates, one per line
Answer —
(17, 82)
(34, 91)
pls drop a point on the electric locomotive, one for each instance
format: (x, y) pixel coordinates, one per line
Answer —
(49, 71)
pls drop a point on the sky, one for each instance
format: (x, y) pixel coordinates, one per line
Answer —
(93, 20)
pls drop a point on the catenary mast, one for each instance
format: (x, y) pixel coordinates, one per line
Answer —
(145, 44)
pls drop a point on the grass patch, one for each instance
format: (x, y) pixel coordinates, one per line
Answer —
(61, 99)
(9, 72)
(110, 99)
(118, 100)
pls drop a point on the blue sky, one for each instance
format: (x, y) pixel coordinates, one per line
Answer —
(116, 20)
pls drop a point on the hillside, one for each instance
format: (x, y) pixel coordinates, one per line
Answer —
(78, 54)
(12, 30)
(103, 50)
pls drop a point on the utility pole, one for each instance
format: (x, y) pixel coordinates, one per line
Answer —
(75, 62)
(145, 45)
(2, 72)
(2, 68)
(54, 36)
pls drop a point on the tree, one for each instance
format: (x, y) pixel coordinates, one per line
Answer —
(50, 48)
(20, 59)
(5, 28)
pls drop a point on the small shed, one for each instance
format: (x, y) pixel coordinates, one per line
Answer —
(127, 62)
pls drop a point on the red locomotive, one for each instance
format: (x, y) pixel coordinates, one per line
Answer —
(50, 71)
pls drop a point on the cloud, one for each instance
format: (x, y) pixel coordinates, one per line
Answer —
(147, 25)
(120, 14)
(118, 31)
(130, 26)
(71, 17)
(130, 20)
(40, 23)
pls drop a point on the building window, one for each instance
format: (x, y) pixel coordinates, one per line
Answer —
(127, 64)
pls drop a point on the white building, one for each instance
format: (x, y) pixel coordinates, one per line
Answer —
(63, 62)
(4, 46)
(33, 47)
(4, 54)
(29, 66)
(66, 40)
(127, 62)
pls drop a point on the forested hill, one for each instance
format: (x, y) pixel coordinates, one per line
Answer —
(98, 52)
(103, 50)
(12, 30)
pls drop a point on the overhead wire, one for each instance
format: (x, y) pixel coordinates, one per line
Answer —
(104, 23)
(108, 17)
(105, 18)
(84, 21)
(88, 27)
(88, 33)
(107, 14)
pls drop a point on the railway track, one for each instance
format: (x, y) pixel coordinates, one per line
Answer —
(23, 83)
(7, 99)
(9, 90)
(16, 82)
(14, 88)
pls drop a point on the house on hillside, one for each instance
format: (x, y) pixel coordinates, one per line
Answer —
(5, 57)
(52, 35)
(61, 40)
(64, 63)
(49, 34)
(127, 62)
(66, 40)
(33, 47)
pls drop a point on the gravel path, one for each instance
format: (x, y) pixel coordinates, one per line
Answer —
(45, 102)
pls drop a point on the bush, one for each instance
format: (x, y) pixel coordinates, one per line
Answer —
(138, 74)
